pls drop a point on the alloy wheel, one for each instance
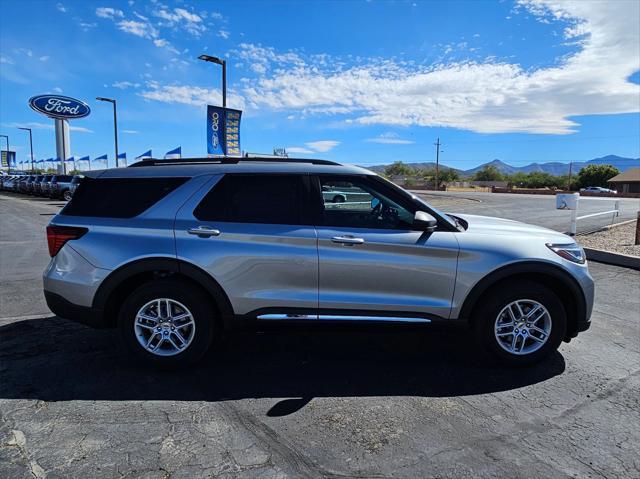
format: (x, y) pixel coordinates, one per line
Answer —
(523, 327)
(164, 327)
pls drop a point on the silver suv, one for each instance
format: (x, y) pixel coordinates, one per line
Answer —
(174, 253)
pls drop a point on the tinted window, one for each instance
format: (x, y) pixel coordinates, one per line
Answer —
(119, 197)
(63, 178)
(271, 199)
(360, 202)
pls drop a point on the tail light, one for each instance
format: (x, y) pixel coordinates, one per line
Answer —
(57, 236)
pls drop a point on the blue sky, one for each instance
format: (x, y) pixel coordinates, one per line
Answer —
(364, 82)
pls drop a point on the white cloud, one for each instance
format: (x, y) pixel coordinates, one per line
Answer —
(123, 85)
(389, 138)
(311, 147)
(298, 150)
(87, 26)
(162, 43)
(139, 29)
(57, 89)
(179, 17)
(131, 132)
(322, 146)
(190, 95)
(34, 125)
(44, 58)
(488, 97)
(61, 8)
(7, 60)
(224, 34)
(108, 12)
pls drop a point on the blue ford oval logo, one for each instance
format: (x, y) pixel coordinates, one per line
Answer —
(58, 106)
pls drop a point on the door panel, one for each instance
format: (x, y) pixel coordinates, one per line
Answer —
(257, 265)
(370, 256)
(390, 271)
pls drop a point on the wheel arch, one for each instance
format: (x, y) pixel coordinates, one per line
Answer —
(561, 282)
(114, 289)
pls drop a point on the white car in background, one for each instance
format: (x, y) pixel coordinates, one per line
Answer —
(597, 189)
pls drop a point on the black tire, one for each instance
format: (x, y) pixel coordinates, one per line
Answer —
(66, 195)
(198, 304)
(338, 199)
(498, 299)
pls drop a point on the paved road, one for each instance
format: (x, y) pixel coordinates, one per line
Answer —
(535, 209)
(326, 404)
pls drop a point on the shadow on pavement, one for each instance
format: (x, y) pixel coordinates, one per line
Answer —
(55, 360)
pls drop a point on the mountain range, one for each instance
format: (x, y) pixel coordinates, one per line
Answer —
(554, 168)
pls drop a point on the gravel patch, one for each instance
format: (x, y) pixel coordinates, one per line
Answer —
(618, 239)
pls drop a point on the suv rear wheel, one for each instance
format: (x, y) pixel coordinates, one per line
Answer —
(522, 323)
(167, 323)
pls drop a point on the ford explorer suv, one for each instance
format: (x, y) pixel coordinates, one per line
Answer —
(174, 253)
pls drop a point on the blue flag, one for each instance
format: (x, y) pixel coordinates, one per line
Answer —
(145, 155)
(173, 154)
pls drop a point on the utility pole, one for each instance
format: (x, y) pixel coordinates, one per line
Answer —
(569, 185)
(437, 144)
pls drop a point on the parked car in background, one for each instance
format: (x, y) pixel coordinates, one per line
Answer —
(45, 185)
(174, 253)
(34, 186)
(75, 182)
(60, 187)
(597, 189)
(26, 185)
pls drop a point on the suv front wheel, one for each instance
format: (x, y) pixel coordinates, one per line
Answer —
(521, 323)
(164, 322)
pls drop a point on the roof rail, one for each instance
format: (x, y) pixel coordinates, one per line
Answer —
(227, 160)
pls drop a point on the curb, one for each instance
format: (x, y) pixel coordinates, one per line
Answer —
(615, 259)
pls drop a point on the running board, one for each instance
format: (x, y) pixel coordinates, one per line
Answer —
(335, 317)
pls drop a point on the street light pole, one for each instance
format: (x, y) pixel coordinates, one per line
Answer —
(223, 63)
(115, 123)
(30, 143)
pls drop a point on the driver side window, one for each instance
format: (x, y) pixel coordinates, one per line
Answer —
(357, 202)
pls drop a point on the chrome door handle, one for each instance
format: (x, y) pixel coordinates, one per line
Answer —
(204, 231)
(350, 240)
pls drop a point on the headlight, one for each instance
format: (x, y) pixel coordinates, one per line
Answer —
(571, 252)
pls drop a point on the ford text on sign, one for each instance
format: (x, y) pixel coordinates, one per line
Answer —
(58, 106)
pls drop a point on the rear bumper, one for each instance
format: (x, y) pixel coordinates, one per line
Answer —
(67, 310)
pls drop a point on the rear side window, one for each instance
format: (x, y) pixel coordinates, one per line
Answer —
(119, 197)
(265, 199)
(63, 178)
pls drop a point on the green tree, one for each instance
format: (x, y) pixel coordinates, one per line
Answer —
(398, 168)
(596, 175)
(448, 175)
(488, 173)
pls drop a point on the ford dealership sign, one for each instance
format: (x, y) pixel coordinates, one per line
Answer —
(58, 106)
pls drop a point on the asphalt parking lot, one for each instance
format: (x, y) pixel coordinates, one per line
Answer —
(342, 403)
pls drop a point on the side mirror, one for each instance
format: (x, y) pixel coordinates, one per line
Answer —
(424, 221)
